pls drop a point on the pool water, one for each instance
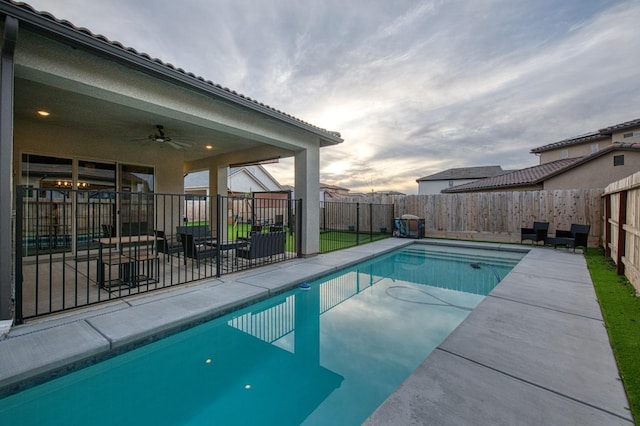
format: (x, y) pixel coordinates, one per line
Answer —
(327, 354)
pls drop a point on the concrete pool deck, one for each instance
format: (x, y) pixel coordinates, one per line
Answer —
(535, 351)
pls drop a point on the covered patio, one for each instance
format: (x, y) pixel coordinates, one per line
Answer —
(82, 113)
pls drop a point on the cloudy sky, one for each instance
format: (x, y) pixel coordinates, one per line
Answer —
(414, 87)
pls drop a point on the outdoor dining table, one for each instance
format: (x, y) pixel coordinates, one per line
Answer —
(125, 259)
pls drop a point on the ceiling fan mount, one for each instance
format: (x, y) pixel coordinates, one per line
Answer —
(159, 135)
(161, 138)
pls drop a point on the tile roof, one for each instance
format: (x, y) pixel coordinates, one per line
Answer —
(603, 133)
(537, 174)
(622, 126)
(334, 187)
(479, 172)
(523, 177)
(66, 30)
(571, 141)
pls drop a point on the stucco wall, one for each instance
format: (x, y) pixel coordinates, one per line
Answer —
(573, 151)
(619, 136)
(597, 173)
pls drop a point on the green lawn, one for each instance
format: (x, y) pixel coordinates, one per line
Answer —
(338, 240)
(329, 240)
(621, 311)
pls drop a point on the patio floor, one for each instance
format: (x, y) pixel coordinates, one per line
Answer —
(535, 351)
(67, 283)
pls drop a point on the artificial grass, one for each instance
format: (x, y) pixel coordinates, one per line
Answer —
(621, 311)
(329, 240)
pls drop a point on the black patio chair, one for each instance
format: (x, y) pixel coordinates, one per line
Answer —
(263, 245)
(196, 250)
(577, 236)
(168, 244)
(535, 234)
(108, 231)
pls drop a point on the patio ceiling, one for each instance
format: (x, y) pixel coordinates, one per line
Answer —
(122, 124)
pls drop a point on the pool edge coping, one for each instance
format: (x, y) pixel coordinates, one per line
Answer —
(45, 365)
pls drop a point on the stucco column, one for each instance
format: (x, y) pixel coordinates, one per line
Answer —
(217, 186)
(6, 164)
(307, 184)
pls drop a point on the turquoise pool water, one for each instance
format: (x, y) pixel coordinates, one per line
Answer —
(329, 354)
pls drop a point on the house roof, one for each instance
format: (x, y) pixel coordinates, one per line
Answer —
(479, 172)
(45, 23)
(537, 174)
(603, 133)
(523, 177)
(333, 187)
(594, 136)
(200, 179)
(622, 126)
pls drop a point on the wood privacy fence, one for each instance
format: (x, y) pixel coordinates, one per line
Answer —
(498, 216)
(621, 223)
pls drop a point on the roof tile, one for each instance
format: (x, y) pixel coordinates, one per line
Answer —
(600, 134)
(523, 177)
(479, 172)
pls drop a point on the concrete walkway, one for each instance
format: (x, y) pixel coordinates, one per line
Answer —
(533, 352)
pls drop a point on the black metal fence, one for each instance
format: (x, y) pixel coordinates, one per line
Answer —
(345, 225)
(80, 247)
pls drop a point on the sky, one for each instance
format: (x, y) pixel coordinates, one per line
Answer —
(414, 87)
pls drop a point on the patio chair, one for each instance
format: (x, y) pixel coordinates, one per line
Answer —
(535, 234)
(168, 244)
(577, 236)
(108, 231)
(263, 245)
(195, 251)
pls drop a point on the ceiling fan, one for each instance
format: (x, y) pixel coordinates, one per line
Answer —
(160, 138)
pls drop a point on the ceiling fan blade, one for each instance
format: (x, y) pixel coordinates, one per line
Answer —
(182, 144)
(177, 145)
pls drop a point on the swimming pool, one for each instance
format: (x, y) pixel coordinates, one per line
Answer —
(324, 355)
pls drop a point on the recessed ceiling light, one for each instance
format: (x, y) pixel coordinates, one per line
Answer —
(43, 113)
(209, 146)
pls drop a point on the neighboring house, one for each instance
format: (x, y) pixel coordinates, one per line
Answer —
(434, 184)
(96, 113)
(332, 192)
(590, 143)
(240, 180)
(588, 161)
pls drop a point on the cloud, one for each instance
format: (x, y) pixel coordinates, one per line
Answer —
(415, 87)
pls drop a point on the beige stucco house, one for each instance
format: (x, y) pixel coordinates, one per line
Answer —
(589, 161)
(81, 111)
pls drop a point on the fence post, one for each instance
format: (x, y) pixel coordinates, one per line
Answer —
(607, 225)
(298, 227)
(18, 237)
(219, 225)
(370, 222)
(622, 220)
(357, 224)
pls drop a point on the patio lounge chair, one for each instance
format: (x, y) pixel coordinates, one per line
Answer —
(263, 245)
(196, 250)
(577, 236)
(168, 244)
(535, 234)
